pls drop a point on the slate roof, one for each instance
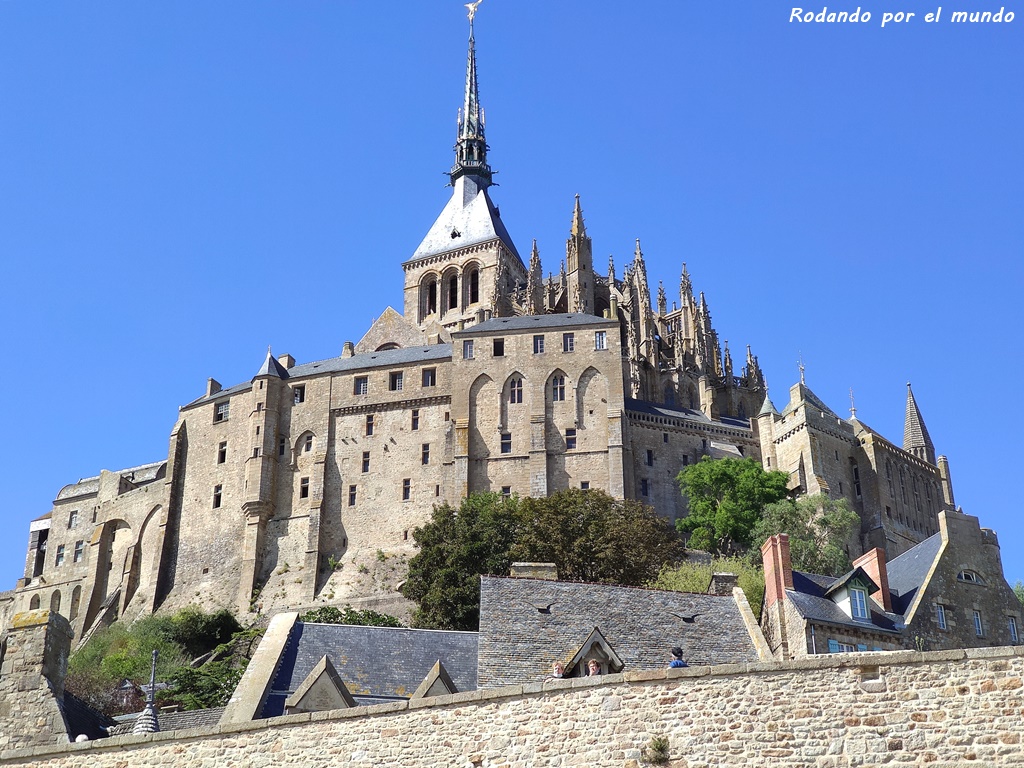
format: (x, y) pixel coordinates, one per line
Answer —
(806, 396)
(908, 571)
(519, 641)
(176, 721)
(390, 357)
(469, 218)
(377, 664)
(653, 409)
(534, 322)
(81, 718)
(808, 597)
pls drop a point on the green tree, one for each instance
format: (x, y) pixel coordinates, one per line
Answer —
(818, 528)
(1018, 589)
(694, 576)
(328, 614)
(455, 547)
(590, 536)
(726, 499)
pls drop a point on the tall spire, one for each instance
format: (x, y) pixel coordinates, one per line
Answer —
(916, 439)
(471, 146)
(578, 227)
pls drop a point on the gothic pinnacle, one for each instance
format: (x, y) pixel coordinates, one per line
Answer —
(578, 227)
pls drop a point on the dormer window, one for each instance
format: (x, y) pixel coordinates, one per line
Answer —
(859, 604)
(969, 576)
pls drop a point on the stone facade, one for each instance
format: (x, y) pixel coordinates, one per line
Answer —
(942, 709)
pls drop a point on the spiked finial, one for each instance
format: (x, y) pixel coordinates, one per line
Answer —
(611, 271)
(578, 227)
(853, 405)
(471, 146)
(662, 300)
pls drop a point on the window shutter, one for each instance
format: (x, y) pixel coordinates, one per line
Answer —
(861, 647)
(833, 646)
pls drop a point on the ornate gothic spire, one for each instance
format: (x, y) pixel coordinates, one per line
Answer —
(471, 146)
(685, 288)
(611, 271)
(916, 439)
(535, 284)
(662, 300)
(578, 227)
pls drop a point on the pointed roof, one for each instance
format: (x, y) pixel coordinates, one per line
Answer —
(470, 145)
(916, 439)
(321, 690)
(271, 367)
(437, 683)
(767, 407)
(578, 229)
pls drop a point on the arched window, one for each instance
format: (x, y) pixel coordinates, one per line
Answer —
(474, 286)
(55, 601)
(33, 604)
(515, 390)
(76, 599)
(453, 292)
(432, 297)
(558, 388)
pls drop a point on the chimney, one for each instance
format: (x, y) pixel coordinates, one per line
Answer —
(873, 563)
(212, 387)
(722, 583)
(947, 482)
(287, 361)
(778, 568)
(348, 350)
(546, 571)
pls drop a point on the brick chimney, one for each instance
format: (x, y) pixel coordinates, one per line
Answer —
(778, 568)
(873, 563)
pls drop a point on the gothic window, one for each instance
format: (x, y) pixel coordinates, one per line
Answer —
(33, 604)
(558, 388)
(903, 486)
(515, 390)
(474, 286)
(917, 494)
(453, 292)
(888, 477)
(55, 601)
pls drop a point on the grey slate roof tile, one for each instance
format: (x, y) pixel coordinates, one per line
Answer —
(808, 597)
(377, 664)
(176, 721)
(519, 642)
(534, 322)
(908, 571)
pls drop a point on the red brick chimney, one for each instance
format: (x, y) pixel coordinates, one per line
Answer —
(873, 563)
(778, 568)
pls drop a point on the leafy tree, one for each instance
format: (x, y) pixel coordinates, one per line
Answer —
(592, 537)
(328, 614)
(817, 526)
(455, 547)
(694, 576)
(1018, 589)
(726, 499)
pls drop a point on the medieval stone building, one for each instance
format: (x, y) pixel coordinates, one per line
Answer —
(304, 484)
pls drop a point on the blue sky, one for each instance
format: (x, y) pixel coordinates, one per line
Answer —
(183, 183)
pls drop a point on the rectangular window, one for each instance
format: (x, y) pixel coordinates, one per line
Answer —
(856, 480)
(568, 342)
(406, 489)
(499, 347)
(600, 340)
(940, 616)
(369, 424)
(395, 379)
(351, 495)
(570, 439)
(80, 550)
(859, 603)
(360, 385)
(415, 419)
(1013, 629)
(979, 628)
(538, 344)
(686, 461)
(59, 559)
(425, 454)
(256, 453)
(304, 488)
(645, 487)
(515, 391)
(73, 519)
(506, 442)
(222, 452)
(584, 485)
(366, 461)
(467, 349)
(664, 437)
(430, 377)
(650, 458)
(220, 412)
(558, 388)
(282, 444)
(506, 490)
(308, 445)
(299, 395)
(217, 491)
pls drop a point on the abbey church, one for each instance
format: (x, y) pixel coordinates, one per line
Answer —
(304, 484)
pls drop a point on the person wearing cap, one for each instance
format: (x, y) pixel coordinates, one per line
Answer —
(677, 658)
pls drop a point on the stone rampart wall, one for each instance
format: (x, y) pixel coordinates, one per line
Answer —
(944, 708)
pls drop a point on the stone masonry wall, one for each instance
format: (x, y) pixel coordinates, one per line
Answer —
(943, 709)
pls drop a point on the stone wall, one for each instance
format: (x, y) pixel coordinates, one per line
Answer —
(942, 708)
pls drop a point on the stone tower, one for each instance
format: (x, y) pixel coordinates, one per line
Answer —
(579, 265)
(467, 267)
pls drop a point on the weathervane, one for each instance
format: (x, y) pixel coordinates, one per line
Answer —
(800, 363)
(472, 9)
(853, 404)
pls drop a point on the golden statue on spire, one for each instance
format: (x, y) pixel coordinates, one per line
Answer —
(472, 9)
